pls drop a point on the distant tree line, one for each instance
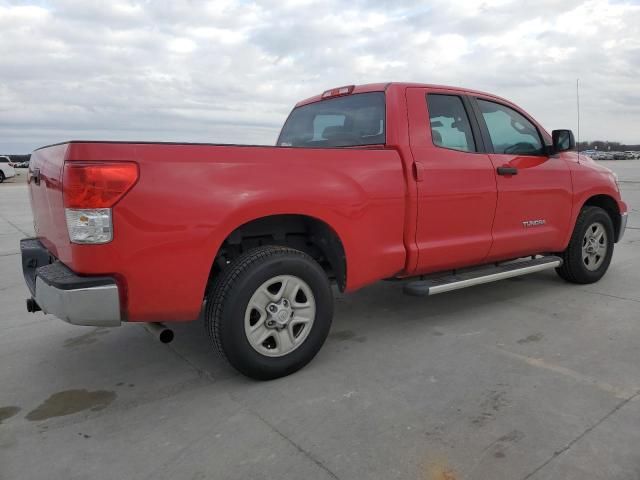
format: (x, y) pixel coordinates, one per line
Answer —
(606, 146)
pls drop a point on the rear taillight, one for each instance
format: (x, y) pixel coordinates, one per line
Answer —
(90, 190)
(97, 185)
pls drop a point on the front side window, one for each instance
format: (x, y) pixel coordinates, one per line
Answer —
(450, 127)
(510, 132)
(349, 121)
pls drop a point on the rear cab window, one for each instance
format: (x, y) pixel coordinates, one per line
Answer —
(450, 126)
(347, 121)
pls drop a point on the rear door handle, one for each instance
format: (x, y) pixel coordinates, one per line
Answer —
(507, 171)
(417, 171)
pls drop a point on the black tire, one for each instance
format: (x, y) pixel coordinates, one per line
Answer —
(228, 299)
(574, 269)
(1, 176)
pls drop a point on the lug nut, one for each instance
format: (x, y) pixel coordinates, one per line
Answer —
(273, 308)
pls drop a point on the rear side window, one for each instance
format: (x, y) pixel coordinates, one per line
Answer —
(349, 121)
(510, 132)
(450, 127)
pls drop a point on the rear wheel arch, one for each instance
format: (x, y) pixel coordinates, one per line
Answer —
(306, 233)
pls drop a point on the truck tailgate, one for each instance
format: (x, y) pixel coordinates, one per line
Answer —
(45, 191)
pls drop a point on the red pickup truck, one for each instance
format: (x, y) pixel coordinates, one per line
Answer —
(444, 187)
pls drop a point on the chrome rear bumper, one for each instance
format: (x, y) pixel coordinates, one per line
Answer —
(92, 301)
(94, 306)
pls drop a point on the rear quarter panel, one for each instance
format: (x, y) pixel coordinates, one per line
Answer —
(189, 198)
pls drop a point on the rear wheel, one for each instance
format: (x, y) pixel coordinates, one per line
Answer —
(270, 311)
(1, 176)
(590, 249)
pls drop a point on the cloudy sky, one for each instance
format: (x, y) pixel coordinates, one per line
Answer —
(230, 70)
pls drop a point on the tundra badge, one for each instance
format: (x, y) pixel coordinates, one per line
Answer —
(533, 223)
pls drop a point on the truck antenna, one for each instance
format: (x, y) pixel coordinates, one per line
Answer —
(578, 105)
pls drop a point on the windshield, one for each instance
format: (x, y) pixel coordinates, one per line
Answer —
(347, 121)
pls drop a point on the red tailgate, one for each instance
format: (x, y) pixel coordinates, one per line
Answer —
(45, 190)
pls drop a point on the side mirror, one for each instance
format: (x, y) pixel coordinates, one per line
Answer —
(563, 140)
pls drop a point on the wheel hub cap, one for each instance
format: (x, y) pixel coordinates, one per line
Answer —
(594, 246)
(279, 315)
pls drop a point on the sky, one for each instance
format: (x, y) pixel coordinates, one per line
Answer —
(229, 71)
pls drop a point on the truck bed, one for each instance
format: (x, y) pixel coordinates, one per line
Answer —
(190, 197)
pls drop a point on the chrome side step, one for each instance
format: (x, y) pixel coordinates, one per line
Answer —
(480, 275)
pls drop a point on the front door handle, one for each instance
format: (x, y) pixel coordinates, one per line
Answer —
(507, 171)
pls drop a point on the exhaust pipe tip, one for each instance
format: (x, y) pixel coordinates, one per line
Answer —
(32, 306)
(159, 330)
(166, 335)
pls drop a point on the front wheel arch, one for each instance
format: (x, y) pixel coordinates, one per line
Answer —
(573, 269)
(609, 205)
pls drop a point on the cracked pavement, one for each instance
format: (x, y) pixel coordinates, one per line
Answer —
(529, 378)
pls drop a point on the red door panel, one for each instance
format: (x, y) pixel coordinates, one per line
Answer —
(534, 189)
(456, 196)
(540, 193)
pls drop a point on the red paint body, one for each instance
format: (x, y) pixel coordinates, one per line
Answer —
(399, 209)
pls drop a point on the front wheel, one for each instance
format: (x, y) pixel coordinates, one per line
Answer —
(1, 176)
(270, 311)
(590, 249)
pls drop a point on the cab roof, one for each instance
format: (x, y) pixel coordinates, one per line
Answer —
(381, 87)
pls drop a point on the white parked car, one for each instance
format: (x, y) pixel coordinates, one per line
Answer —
(6, 168)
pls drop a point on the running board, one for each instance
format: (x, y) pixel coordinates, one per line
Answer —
(480, 275)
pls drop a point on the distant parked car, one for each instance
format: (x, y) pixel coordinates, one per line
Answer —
(630, 155)
(22, 165)
(5, 159)
(6, 169)
(619, 156)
